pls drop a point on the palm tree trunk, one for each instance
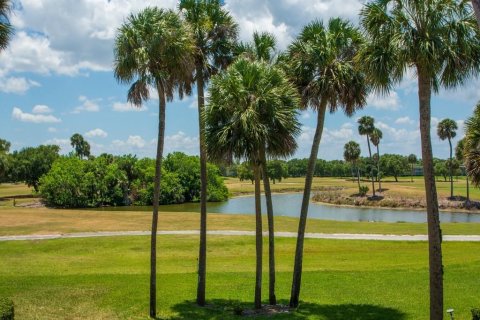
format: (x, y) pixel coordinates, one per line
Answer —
(434, 232)
(468, 190)
(202, 254)
(358, 179)
(378, 169)
(156, 199)
(371, 170)
(476, 8)
(271, 235)
(451, 169)
(411, 177)
(258, 239)
(297, 270)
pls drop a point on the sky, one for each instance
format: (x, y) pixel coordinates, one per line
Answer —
(56, 79)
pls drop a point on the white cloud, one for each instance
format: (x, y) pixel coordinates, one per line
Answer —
(96, 133)
(52, 129)
(87, 105)
(40, 108)
(305, 115)
(384, 102)
(136, 142)
(64, 144)
(128, 107)
(16, 85)
(404, 120)
(180, 141)
(18, 114)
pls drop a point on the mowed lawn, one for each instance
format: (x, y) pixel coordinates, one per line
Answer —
(107, 278)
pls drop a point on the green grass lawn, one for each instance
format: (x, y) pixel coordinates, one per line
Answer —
(107, 278)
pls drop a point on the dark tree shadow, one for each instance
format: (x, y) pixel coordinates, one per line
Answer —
(375, 198)
(233, 309)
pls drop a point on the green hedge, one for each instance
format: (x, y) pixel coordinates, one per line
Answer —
(6, 309)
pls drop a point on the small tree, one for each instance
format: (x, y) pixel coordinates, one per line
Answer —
(375, 138)
(412, 159)
(446, 130)
(365, 128)
(351, 153)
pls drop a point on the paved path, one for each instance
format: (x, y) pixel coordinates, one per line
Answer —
(341, 236)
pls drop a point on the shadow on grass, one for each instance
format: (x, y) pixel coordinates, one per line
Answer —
(233, 309)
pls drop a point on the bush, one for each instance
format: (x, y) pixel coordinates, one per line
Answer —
(7, 311)
(363, 190)
(475, 314)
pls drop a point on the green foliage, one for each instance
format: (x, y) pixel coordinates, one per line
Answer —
(363, 190)
(80, 145)
(31, 163)
(277, 170)
(394, 165)
(7, 309)
(245, 172)
(115, 181)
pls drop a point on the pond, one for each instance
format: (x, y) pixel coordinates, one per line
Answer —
(289, 205)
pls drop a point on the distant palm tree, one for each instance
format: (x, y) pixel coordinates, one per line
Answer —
(446, 130)
(252, 107)
(366, 125)
(351, 153)
(154, 49)
(320, 63)
(412, 159)
(440, 40)
(215, 33)
(80, 145)
(460, 155)
(263, 49)
(6, 30)
(375, 138)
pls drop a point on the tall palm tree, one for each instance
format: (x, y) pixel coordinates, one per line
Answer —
(154, 49)
(471, 146)
(6, 29)
(252, 106)
(446, 130)
(263, 49)
(320, 63)
(440, 40)
(366, 125)
(412, 159)
(476, 8)
(80, 145)
(375, 138)
(215, 33)
(351, 153)
(460, 155)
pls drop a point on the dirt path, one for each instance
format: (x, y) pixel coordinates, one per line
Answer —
(339, 236)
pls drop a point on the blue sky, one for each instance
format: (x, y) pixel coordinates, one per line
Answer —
(56, 80)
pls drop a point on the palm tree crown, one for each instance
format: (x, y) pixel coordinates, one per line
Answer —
(6, 29)
(472, 146)
(366, 125)
(153, 48)
(351, 151)
(446, 129)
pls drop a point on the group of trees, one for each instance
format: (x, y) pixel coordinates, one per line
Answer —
(109, 180)
(329, 66)
(171, 50)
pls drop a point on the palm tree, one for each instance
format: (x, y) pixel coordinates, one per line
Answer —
(476, 8)
(6, 30)
(80, 145)
(154, 49)
(215, 35)
(446, 130)
(471, 151)
(412, 159)
(365, 128)
(351, 153)
(320, 63)
(262, 49)
(460, 155)
(440, 40)
(375, 138)
(252, 107)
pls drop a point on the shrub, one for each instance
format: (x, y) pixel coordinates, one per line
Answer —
(6, 309)
(363, 190)
(475, 314)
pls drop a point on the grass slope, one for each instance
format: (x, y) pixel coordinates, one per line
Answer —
(108, 278)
